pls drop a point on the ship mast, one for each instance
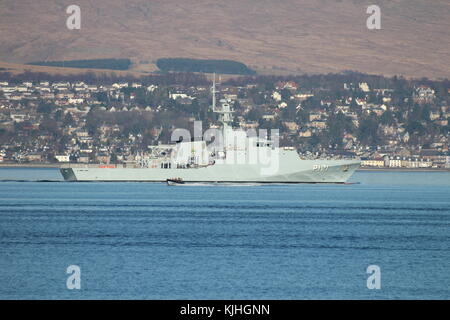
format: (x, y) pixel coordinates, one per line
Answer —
(225, 112)
(214, 93)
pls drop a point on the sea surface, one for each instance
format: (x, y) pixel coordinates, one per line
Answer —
(153, 241)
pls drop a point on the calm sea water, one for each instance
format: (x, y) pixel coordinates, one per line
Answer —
(152, 241)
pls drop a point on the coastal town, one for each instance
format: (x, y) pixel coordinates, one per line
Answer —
(387, 123)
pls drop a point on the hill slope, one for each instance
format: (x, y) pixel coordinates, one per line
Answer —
(288, 36)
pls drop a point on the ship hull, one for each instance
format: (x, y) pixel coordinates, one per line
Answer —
(301, 171)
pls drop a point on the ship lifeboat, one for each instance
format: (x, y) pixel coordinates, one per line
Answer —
(174, 181)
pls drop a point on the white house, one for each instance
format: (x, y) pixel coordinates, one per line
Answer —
(364, 87)
(276, 96)
(62, 158)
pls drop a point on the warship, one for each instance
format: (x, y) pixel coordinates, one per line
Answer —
(232, 156)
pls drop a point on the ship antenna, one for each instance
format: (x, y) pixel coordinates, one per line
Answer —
(214, 92)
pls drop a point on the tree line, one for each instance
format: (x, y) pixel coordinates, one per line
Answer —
(206, 66)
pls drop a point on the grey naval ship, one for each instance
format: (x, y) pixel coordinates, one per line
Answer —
(235, 156)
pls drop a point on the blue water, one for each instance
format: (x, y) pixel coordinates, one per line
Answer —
(152, 241)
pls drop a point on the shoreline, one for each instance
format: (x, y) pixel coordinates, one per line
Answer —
(30, 165)
(57, 166)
